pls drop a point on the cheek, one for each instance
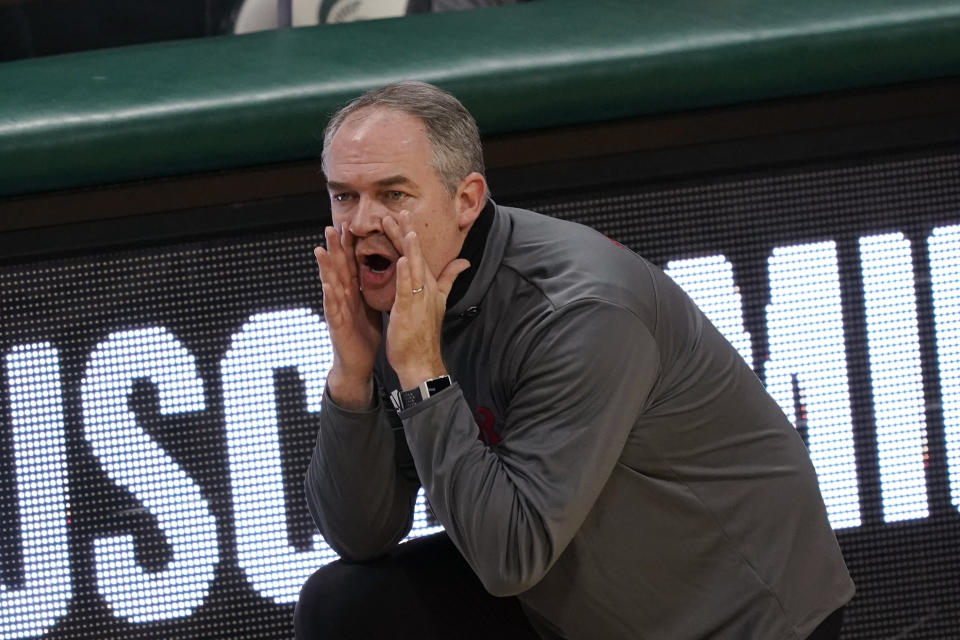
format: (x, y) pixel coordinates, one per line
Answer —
(444, 246)
(339, 220)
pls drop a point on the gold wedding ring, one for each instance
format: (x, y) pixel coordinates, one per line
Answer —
(417, 290)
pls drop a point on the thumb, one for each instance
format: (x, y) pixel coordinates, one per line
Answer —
(450, 273)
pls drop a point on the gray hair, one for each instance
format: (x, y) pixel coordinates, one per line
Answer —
(451, 129)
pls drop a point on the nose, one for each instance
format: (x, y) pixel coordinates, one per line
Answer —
(367, 218)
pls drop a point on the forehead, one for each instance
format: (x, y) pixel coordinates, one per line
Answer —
(378, 138)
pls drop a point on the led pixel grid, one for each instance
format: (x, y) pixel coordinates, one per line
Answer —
(159, 404)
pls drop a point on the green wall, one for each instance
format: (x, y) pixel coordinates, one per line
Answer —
(200, 105)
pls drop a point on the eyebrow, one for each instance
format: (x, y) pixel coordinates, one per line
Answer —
(393, 181)
(390, 181)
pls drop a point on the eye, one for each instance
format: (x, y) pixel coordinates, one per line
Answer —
(340, 197)
(396, 196)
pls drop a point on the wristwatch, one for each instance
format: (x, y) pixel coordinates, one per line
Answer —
(426, 389)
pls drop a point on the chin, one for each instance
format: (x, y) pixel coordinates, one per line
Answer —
(378, 301)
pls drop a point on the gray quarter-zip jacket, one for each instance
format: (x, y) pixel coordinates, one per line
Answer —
(633, 479)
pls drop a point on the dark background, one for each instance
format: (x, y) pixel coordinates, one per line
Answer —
(31, 28)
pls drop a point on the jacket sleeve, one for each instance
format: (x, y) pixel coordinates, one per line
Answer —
(361, 484)
(512, 508)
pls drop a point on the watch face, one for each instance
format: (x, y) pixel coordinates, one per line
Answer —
(426, 389)
(438, 384)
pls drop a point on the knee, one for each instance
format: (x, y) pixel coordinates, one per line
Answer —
(321, 604)
(335, 601)
(375, 599)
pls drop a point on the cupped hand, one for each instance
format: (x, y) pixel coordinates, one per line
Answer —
(355, 328)
(416, 319)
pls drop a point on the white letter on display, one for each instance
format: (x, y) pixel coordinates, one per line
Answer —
(267, 342)
(40, 457)
(135, 461)
(805, 331)
(893, 342)
(944, 247)
(709, 283)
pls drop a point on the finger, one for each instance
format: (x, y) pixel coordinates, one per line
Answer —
(336, 249)
(325, 264)
(329, 300)
(316, 254)
(449, 275)
(347, 242)
(418, 270)
(406, 225)
(332, 237)
(339, 263)
(405, 285)
(392, 229)
(332, 309)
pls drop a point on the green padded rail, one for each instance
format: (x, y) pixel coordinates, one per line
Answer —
(198, 105)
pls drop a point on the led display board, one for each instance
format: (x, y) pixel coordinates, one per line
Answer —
(159, 401)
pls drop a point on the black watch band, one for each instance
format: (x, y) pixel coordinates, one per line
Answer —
(426, 389)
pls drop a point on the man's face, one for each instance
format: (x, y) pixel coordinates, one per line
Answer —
(379, 164)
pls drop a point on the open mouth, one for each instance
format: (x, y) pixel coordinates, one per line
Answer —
(377, 263)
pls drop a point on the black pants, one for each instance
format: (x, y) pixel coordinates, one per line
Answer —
(423, 590)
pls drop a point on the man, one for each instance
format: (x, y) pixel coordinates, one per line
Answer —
(600, 457)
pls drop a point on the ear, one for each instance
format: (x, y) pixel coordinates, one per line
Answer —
(470, 199)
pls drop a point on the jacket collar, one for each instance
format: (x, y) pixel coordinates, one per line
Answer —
(484, 247)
